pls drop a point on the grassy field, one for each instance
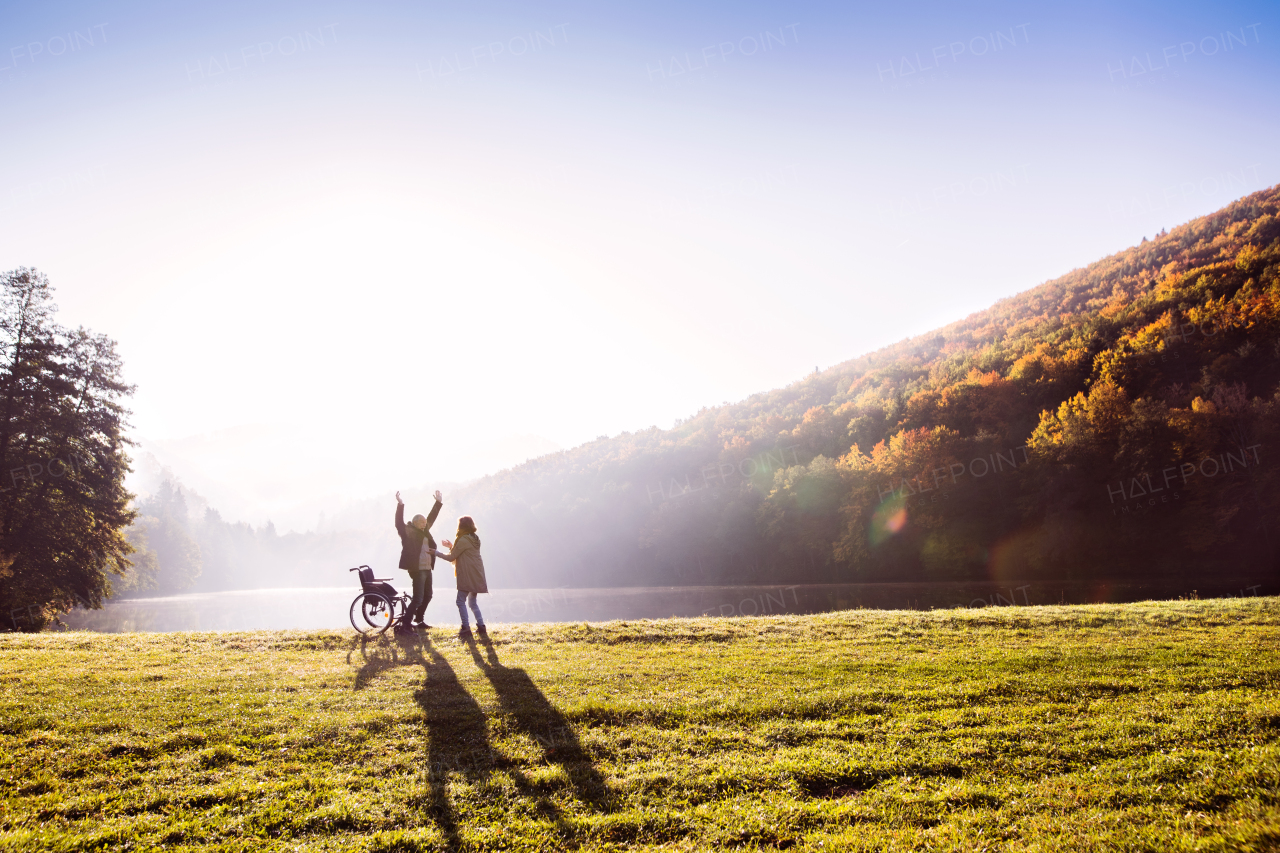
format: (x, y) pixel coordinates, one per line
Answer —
(1111, 727)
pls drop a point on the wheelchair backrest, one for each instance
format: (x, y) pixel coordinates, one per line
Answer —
(370, 584)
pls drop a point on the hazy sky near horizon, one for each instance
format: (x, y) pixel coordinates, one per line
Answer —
(353, 247)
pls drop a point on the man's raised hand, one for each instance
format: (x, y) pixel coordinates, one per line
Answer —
(400, 502)
(439, 498)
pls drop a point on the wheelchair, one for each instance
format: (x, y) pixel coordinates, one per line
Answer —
(378, 606)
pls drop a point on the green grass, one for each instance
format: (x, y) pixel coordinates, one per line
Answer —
(1120, 727)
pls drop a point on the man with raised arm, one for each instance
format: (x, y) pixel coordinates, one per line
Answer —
(417, 557)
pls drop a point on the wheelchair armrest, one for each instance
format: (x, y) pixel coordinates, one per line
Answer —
(383, 580)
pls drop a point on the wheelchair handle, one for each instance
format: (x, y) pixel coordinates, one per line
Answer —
(370, 568)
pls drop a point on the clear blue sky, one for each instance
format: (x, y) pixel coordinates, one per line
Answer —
(353, 247)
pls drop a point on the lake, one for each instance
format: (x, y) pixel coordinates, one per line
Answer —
(327, 607)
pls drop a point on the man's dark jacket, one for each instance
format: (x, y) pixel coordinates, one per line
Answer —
(411, 538)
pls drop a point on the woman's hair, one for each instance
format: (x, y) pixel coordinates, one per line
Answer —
(466, 525)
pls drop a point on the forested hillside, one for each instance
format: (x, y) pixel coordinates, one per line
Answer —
(1117, 422)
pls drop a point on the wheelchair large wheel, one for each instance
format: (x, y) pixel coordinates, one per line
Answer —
(372, 613)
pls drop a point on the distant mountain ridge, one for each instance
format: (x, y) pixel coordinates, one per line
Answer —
(1163, 355)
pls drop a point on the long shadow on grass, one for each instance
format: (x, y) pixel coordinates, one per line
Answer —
(458, 735)
(532, 713)
(379, 656)
(458, 732)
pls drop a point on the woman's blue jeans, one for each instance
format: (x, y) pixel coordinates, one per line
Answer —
(469, 598)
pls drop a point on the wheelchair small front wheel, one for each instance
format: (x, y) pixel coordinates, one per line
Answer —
(401, 607)
(372, 613)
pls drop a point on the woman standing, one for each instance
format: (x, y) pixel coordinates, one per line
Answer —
(468, 568)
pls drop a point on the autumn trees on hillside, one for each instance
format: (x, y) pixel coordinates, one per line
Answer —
(1114, 423)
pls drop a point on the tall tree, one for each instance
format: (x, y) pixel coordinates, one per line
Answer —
(63, 505)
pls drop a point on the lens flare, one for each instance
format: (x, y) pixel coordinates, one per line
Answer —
(889, 519)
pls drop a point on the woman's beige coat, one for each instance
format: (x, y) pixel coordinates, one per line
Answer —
(468, 568)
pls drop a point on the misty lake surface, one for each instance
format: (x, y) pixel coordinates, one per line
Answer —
(327, 607)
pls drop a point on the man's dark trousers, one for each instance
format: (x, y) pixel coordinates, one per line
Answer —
(421, 595)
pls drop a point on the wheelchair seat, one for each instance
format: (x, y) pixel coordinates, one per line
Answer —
(379, 585)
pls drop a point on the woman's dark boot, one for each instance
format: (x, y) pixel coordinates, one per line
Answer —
(465, 634)
(482, 632)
